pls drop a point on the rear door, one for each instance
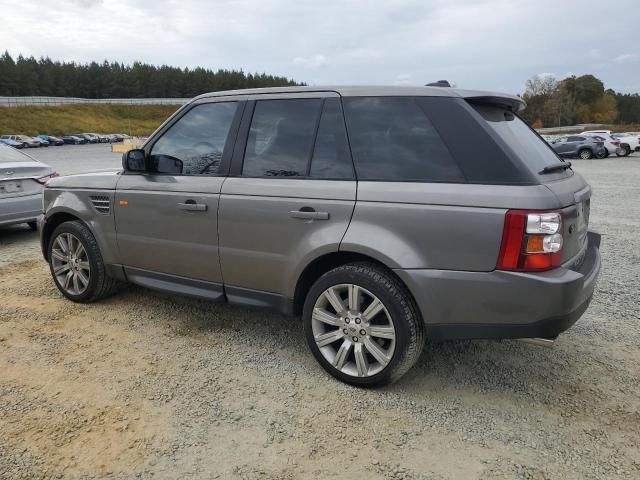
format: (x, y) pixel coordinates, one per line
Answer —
(289, 196)
(166, 218)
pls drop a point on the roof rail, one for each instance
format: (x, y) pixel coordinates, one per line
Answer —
(439, 83)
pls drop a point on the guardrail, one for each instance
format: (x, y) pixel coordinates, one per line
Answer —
(43, 101)
(572, 128)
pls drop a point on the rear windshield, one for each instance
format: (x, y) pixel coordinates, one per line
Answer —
(532, 150)
(10, 154)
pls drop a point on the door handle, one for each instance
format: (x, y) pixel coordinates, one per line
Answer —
(192, 206)
(308, 213)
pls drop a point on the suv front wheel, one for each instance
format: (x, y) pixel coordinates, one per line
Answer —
(362, 325)
(76, 264)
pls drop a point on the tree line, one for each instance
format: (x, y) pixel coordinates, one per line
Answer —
(27, 76)
(573, 100)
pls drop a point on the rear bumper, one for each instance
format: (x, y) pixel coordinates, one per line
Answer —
(499, 304)
(20, 209)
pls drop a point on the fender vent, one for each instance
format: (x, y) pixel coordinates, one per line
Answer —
(101, 204)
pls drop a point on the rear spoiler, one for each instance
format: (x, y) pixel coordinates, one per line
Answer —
(510, 102)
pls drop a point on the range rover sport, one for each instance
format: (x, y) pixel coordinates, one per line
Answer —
(382, 215)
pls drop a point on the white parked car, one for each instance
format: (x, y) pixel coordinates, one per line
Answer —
(629, 142)
(611, 144)
(608, 132)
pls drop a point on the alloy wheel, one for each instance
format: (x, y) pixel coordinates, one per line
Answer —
(70, 263)
(353, 330)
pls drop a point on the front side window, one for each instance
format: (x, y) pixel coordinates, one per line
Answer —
(392, 139)
(281, 138)
(194, 144)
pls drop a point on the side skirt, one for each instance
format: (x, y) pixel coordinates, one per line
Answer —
(216, 292)
(165, 282)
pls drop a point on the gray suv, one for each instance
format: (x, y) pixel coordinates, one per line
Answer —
(382, 215)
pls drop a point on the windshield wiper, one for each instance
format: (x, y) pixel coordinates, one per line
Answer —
(555, 167)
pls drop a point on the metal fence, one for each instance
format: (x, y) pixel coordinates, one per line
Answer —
(43, 101)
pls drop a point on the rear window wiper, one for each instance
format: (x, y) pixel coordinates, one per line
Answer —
(555, 167)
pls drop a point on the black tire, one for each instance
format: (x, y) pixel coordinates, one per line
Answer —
(100, 284)
(33, 226)
(407, 321)
(585, 154)
(624, 151)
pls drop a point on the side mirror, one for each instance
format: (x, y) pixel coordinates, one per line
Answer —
(134, 160)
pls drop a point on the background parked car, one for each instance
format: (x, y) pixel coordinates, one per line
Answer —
(628, 143)
(89, 137)
(611, 144)
(11, 143)
(51, 139)
(581, 146)
(27, 142)
(73, 140)
(21, 183)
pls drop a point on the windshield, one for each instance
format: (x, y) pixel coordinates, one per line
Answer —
(10, 154)
(519, 137)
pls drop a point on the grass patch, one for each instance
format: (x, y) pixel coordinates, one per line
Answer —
(139, 120)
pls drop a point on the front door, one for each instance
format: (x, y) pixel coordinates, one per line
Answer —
(289, 197)
(166, 218)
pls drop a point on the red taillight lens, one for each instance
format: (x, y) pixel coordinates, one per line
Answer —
(615, 142)
(46, 178)
(531, 241)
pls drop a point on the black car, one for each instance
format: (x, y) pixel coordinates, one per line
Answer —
(73, 140)
(581, 146)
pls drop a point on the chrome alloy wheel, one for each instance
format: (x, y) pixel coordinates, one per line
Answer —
(353, 330)
(585, 154)
(70, 263)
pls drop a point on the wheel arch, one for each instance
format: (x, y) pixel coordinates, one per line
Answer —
(52, 223)
(324, 263)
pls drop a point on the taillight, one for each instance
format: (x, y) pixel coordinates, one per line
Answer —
(615, 142)
(46, 178)
(531, 241)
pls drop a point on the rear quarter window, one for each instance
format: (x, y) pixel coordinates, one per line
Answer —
(531, 150)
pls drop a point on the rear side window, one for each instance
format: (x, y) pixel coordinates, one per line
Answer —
(281, 138)
(392, 139)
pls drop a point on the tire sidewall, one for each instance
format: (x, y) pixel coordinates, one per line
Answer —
(80, 232)
(333, 278)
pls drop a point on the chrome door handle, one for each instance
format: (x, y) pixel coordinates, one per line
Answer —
(306, 213)
(192, 206)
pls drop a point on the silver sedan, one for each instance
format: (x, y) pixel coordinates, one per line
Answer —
(22, 179)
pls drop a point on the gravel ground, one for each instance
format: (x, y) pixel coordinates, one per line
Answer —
(145, 385)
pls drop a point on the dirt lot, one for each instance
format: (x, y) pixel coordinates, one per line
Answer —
(146, 385)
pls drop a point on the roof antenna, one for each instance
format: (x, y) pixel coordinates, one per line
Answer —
(439, 83)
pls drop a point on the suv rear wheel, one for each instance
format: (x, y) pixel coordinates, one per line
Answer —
(362, 325)
(76, 264)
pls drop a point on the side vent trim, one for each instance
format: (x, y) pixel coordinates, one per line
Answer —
(101, 203)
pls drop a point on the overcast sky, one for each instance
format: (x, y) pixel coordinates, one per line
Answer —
(493, 44)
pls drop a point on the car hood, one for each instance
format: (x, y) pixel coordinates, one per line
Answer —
(99, 180)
